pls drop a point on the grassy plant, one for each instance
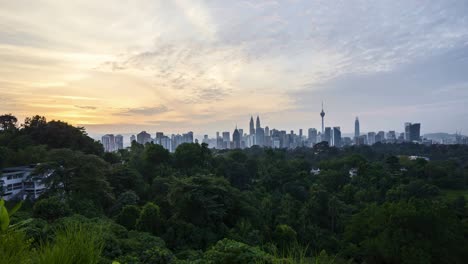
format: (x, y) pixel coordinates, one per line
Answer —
(14, 248)
(73, 245)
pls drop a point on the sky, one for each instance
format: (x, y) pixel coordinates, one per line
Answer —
(117, 66)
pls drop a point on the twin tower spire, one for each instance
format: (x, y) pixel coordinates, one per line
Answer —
(252, 128)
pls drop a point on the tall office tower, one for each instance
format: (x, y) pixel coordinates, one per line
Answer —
(336, 137)
(252, 128)
(108, 141)
(322, 114)
(412, 132)
(300, 133)
(391, 136)
(226, 140)
(357, 131)
(407, 131)
(143, 137)
(415, 132)
(259, 133)
(118, 142)
(166, 142)
(219, 141)
(312, 136)
(327, 135)
(241, 132)
(380, 137)
(267, 137)
(361, 140)
(371, 138)
(159, 135)
(132, 138)
(236, 139)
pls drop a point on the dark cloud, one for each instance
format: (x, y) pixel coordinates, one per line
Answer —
(144, 111)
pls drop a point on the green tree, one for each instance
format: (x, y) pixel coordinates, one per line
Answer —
(150, 219)
(285, 236)
(129, 216)
(232, 252)
(8, 122)
(51, 209)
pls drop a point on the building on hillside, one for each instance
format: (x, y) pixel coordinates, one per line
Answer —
(20, 183)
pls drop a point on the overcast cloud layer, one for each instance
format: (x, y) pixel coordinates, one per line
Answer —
(125, 66)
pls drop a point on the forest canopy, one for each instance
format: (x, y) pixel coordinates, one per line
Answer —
(142, 204)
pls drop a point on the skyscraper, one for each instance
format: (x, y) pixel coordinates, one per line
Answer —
(236, 139)
(357, 131)
(412, 132)
(371, 138)
(327, 136)
(143, 137)
(108, 141)
(322, 114)
(226, 140)
(336, 137)
(252, 128)
(118, 142)
(312, 136)
(259, 134)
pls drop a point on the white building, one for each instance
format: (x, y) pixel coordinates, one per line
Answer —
(21, 183)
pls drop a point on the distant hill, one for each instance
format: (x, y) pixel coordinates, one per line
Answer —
(439, 136)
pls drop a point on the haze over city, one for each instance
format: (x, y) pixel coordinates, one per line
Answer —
(205, 66)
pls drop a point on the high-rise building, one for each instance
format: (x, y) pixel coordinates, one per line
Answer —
(119, 142)
(236, 139)
(267, 131)
(322, 114)
(132, 138)
(371, 138)
(159, 135)
(380, 136)
(226, 140)
(312, 137)
(357, 131)
(412, 132)
(327, 135)
(143, 137)
(251, 125)
(259, 133)
(108, 141)
(336, 137)
(391, 137)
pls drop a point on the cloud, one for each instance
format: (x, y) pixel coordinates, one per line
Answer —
(144, 111)
(250, 56)
(86, 107)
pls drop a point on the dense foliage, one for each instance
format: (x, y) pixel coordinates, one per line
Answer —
(146, 205)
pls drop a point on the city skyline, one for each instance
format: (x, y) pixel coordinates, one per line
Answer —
(280, 137)
(120, 67)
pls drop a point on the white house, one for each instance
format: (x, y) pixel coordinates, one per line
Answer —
(21, 183)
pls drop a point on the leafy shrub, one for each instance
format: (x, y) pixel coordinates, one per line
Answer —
(229, 251)
(51, 209)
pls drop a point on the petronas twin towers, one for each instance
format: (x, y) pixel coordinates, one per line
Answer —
(257, 131)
